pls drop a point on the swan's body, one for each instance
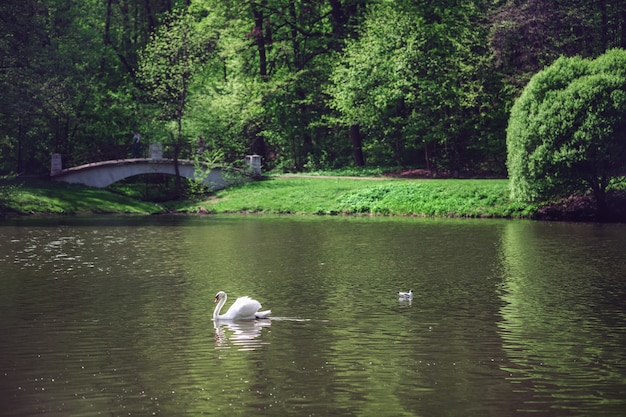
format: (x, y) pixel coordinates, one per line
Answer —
(406, 295)
(244, 308)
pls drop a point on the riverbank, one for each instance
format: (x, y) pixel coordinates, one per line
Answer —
(30, 196)
(298, 195)
(283, 195)
(365, 196)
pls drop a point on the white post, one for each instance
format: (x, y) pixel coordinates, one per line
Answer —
(56, 166)
(156, 151)
(254, 163)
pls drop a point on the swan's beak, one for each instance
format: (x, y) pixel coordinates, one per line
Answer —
(216, 298)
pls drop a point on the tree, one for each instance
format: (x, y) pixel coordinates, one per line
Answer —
(167, 66)
(415, 81)
(128, 25)
(264, 84)
(65, 71)
(567, 131)
(40, 79)
(527, 35)
(295, 41)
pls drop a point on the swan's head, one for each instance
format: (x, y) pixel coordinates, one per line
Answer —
(220, 296)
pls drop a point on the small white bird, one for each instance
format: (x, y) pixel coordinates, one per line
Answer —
(406, 295)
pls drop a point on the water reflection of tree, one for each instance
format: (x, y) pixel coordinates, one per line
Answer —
(558, 325)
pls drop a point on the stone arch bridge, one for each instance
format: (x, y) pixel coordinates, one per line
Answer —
(102, 174)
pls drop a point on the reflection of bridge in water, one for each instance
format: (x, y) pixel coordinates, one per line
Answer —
(104, 173)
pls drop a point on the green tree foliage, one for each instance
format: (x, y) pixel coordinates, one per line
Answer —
(175, 53)
(416, 80)
(527, 35)
(225, 106)
(274, 57)
(45, 49)
(567, 131)
(66, 76)
(306, 84)
(128, 25)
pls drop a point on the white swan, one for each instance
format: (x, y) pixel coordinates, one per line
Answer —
(244, 308)
(406, 295)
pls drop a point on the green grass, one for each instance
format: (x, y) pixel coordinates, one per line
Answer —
(28, 196)
(276, 195)
(334, 196)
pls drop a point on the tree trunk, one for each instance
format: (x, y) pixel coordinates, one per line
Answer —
(357, 145)
(258, 143)
(260, 39)
(109, 42)
(622, 22)
(602, 206)
(258, 146)
(604, 26)
(149, 16)
(295, 43)
(338, 21)
(20, 138)
(177, 146)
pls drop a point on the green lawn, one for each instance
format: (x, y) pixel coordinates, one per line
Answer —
(277, 195)
(27, 196)
(330, 196)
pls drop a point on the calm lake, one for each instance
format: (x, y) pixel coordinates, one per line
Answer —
(112, 316)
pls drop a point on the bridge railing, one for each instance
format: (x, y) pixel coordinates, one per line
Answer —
(120, 152)
(88, 156)
(116, 152)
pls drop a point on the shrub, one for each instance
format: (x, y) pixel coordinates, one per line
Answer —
(567, 131)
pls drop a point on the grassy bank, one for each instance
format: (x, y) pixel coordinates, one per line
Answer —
(336, 196)
(297, 195)
(31, 196)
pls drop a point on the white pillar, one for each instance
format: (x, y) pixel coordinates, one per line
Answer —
(156, 151)
(254, 163)
(56, 166)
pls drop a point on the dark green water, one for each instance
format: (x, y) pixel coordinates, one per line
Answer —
(112, 316)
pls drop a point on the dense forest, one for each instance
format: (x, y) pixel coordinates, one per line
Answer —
(306, 84)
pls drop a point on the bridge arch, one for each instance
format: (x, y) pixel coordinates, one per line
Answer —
(102, 174)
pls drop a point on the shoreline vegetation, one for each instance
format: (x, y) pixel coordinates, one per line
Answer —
(297, 194)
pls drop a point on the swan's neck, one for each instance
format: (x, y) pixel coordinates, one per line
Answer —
(218, 307)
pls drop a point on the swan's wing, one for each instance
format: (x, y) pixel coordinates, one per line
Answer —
(243, 307)
(262, 314)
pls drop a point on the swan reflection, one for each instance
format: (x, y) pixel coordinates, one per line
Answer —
(242, 334)
(405, 301)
